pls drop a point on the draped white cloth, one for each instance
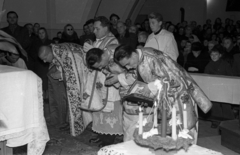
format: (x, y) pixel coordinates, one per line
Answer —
(131, 148)
(21, 110)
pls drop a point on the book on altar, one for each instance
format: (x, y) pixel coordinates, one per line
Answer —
(135, 95)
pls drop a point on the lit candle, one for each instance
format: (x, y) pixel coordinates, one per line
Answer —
(155, 114)
(140, 127)
(174, 129)
(164, 121)
(184, 116)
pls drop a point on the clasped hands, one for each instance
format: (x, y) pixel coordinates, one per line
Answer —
(111, 79)
(87, 47)
(56, 75)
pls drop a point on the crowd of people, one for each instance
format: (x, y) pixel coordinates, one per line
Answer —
(85, 77)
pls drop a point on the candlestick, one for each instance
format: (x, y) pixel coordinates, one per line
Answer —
(155, 118)
(164, 121)
(184, 116)
(140, 127)
(174, 129)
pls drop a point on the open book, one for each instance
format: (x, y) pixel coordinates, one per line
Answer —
(135, 95)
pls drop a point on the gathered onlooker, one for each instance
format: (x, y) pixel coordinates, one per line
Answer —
(40, 68)
(184, 50)
(88, 35)
(18, 32)
(29, 26)
(69, 35)
(125, 37)
(231, 49)
(36, 27)
(59, 35)
(128, 22)
(114, 20)
(142, 38)
(196, 60)
(217, 65)
(133, 29)
(188, 34)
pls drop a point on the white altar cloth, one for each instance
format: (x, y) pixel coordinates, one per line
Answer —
(21, 110)
(131, 148)
(219, 88)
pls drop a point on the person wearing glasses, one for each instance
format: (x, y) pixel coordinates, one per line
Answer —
(69, 35)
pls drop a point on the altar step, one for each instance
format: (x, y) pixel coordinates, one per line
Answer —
(230, 134)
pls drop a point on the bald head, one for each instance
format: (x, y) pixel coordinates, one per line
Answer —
(45, 53)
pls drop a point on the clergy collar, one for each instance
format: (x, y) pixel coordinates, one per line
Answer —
(155, 33)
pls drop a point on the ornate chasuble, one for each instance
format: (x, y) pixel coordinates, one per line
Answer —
(70, 59)
(178, 86)
(108, 116)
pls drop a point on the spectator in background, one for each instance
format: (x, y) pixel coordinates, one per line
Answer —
(90, 24)
(171, 28)
(161, 39)
(59, 35)
(133, 29)
(36, 27)
(18, 32)
(125, 37)
(146, 26)
(188, 34)
(184, 50)
(69, 35)
(88, 34)
(114, 20)
(128, 22)
(217, 65)
(196, 60)
(29, 26)
(142, 38)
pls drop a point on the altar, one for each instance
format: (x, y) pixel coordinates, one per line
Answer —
(21, 110)
(131, 148)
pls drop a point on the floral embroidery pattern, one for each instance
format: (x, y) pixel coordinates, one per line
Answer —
(66, 61)
(99, 85)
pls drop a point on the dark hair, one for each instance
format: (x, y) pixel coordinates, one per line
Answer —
(155, 15)
(45, 30)
(10, 12)
(218, 48)
(27, 24)
(85, 25)
(114, 15)
(104, 21)
(36, 24)
(90, 21)
(123, 51)
(93, 56)
(196, 46)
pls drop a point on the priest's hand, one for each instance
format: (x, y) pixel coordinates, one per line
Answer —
(87, 47)
(112, 79)
(145, 91)
(56, 75)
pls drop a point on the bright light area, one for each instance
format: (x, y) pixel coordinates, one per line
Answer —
(209, 1)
